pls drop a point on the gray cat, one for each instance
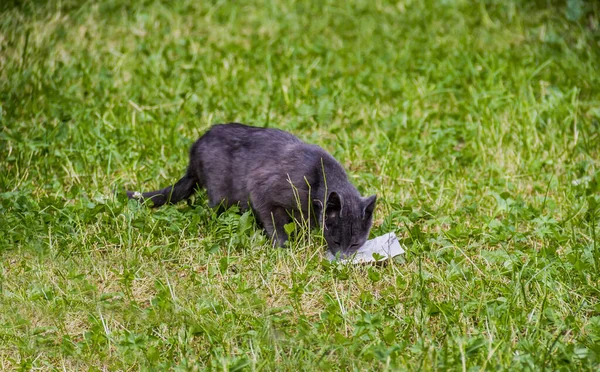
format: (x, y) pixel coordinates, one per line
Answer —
(277, 175)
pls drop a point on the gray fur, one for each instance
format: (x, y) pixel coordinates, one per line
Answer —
(256, 167)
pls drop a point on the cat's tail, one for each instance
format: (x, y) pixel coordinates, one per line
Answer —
(183, 189)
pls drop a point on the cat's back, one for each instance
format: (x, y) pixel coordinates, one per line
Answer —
(241, 136)
(236, 148)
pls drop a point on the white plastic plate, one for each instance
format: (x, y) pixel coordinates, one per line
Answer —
(386, 246)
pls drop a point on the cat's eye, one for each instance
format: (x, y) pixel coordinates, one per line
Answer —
(336, 242)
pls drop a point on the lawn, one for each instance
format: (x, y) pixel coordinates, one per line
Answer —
(477, 124)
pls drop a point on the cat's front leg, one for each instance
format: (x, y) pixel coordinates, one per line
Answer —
(274, 220)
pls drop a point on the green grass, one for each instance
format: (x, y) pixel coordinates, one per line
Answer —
(476, 123)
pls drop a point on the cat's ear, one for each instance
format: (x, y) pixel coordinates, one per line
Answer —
(334, 207)
(369, 206)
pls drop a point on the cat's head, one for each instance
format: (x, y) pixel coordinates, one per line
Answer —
(348, 221)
